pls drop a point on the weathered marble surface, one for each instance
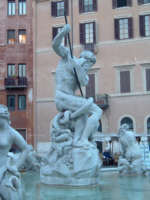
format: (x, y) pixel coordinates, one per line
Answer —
(130, 161)
(68, 163)
(73, 158)
(10, 180)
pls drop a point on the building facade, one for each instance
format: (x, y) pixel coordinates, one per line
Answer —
(118, 32)
(16, 64)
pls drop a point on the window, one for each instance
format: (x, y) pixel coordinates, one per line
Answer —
(11, 7)
(22, 132)
(147, 71)
(123, 28)
(145, 25)
(22, 70)
(11, 37)
(127, 120)
(87, 33)
(90, 88)
(125, 82)
(11, 70)
(121, 3)
(143, 2)
(22, 36)
(21, 102)
(87, 5)
(11, 102)
(57, 30)
(59, 7)
(148, 126)
(22, 7)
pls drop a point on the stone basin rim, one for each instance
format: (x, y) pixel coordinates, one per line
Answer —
(70, 186)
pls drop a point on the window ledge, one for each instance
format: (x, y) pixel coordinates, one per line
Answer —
(11, 15)
(11, 45)
(58, 17)
(130, 94)
(89, 12)
(132, 39)
(121, 66)
(123, 40)
(22, 15)
(145, 4)
(20, 44)
(145, 36)
(124, 7)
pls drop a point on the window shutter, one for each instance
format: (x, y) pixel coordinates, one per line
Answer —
(53, 9)
(140, 2)
(80, 6)
(148, 79)
(125, 81)
(66, 6)
(130, 27)
(142, 25)
(82, 33)
(94, 5)
(54, 32)
(94, 32)
(116, 29)
(90, 88)
(129, 2)
(114, 4)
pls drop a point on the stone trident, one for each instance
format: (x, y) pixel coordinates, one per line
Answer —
(76, 76)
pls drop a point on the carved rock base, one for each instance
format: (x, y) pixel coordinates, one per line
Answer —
(83, 169)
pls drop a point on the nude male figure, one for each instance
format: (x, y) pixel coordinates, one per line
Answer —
(86, 112)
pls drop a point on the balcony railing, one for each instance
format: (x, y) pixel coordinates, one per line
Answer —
(15, 83)
(102, 101)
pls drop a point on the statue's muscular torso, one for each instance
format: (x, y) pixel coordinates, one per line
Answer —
(65, 78)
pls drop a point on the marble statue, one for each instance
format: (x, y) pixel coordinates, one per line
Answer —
(10, 179)
(32, 161)
(130, 162)
(73, 158)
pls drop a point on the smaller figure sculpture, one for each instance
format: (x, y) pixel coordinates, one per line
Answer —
(10, 180)
(130, 161)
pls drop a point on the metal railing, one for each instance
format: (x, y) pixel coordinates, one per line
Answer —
(15, 82)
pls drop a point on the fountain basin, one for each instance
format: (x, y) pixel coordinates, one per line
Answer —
(112, 187)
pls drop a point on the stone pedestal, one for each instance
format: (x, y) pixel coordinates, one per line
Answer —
(80, 167)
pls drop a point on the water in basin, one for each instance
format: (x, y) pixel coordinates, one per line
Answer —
(112, 187)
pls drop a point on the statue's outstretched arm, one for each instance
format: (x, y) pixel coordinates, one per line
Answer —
(57, 42)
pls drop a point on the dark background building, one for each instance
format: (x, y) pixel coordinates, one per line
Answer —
(16, 64)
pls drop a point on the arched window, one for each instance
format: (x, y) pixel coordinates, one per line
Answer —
(148, 126)
(100, 126)
(129, 121)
